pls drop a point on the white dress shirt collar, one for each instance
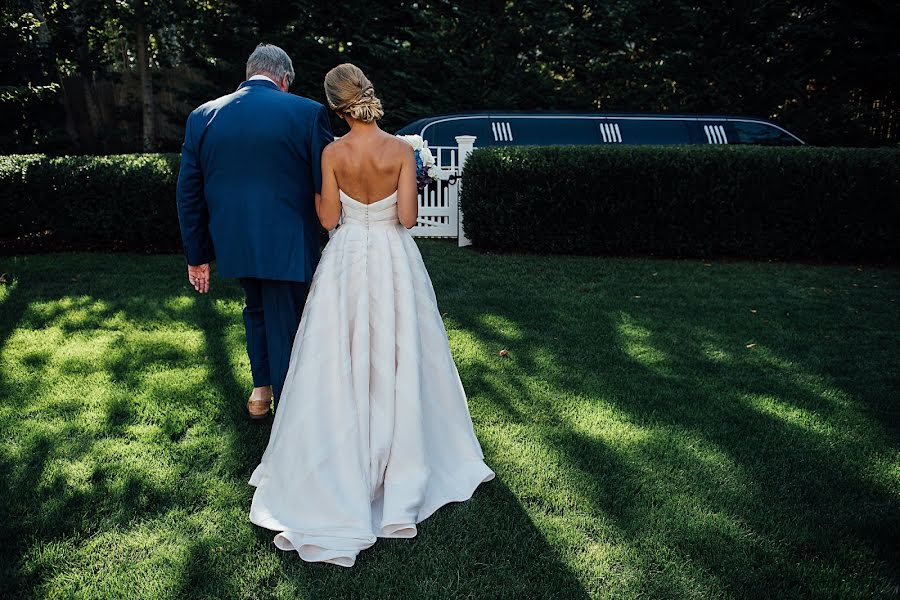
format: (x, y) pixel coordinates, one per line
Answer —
(264, 77)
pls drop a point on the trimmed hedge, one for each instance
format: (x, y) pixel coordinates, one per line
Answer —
(118, 203)
(89, 203)
(686, 201)
(806, 203)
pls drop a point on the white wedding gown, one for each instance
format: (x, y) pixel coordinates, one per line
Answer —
(372, 433)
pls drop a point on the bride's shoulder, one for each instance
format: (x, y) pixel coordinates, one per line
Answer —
(337, 147)
(395, 145)
(395, 141)
(332, 154)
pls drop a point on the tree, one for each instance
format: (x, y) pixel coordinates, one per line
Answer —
(825, 69)
(143, 64)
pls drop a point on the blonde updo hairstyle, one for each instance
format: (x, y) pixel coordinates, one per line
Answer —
(350, 92)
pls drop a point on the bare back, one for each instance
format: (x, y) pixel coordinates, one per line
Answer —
(368, 165)
(368, 168)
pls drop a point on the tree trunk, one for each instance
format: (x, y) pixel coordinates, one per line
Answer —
(143, 60)
(48, 59)
(43, 31)
(83, 102)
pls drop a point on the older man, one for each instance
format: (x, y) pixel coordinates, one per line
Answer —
(250, 172)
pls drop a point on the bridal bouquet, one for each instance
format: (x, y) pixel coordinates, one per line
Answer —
(426, 167)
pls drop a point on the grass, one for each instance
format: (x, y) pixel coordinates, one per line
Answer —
(665, 429)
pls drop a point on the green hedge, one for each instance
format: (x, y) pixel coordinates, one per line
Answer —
(700, 201)
(119, 203)
(89, 203)
(818, 203)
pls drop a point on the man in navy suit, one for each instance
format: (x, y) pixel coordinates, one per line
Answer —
(250, 174)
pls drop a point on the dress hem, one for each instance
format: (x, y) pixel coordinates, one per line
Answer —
(340, 547)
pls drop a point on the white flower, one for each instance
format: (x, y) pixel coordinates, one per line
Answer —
(434, 172)
(426, 156)
(415, 141)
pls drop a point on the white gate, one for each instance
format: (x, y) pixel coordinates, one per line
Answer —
(439, 202)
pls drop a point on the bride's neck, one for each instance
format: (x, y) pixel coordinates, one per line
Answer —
(362, 126)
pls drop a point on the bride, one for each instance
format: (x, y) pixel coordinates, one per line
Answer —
(373, 433)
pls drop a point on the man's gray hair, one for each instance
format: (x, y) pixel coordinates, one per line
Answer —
(269, 59)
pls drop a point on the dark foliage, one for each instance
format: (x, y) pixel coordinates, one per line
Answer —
(118, 203)
(823, 69)
(89, 202)
(799, 203)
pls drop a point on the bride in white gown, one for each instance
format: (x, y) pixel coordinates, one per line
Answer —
(372, 434)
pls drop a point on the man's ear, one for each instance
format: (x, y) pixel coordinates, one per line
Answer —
(285, 83)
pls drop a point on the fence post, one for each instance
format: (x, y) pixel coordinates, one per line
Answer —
(466, 144)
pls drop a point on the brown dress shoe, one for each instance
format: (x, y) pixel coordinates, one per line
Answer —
(259, 407)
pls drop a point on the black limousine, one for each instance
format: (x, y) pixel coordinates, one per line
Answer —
(543, 129)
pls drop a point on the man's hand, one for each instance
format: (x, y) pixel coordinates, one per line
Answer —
(199, 277)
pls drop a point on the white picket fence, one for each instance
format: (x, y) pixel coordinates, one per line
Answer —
(439, 214)
(439, 201)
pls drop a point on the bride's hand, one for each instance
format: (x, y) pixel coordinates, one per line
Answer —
(199, 277)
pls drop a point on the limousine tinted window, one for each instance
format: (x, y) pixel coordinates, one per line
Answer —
(761, 134)
(535, 132)
(655, 131)
(443, 133)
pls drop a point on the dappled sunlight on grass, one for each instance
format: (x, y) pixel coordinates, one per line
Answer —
(180, 304)
(635, 341)
(156, 557)
(640, 426)
(711, 347)
(502, 327)
(811, 382)
(673, 444)
(791, 414)
(582, 465)
(67, 314)
(112, 421)
(831, 413)
(586, 492)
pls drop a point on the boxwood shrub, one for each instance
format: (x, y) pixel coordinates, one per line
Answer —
(802, 203)
(118, 203)
(89, 202)
(700, 201)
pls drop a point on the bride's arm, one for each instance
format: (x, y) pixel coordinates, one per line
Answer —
(407, 191)
(328, 203)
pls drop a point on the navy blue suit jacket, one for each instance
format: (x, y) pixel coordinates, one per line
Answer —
(250, 169)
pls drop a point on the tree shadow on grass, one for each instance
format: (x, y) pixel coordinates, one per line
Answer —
(105, 413)
(641, 449)
(127, 464)
(81, 454)
(725, 473)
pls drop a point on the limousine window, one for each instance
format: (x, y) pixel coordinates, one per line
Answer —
(444, 133)
(762, 134)
(536, 131)
(652, 131)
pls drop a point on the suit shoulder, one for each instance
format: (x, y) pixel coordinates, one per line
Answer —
(208, 108)
(305, 103)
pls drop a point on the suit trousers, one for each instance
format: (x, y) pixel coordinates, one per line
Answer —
(271, 317)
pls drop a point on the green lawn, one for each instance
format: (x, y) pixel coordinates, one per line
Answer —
(659, 429)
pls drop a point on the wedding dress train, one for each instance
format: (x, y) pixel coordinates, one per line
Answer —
(372, 433)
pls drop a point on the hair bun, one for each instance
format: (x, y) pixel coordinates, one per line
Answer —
(350, 92)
